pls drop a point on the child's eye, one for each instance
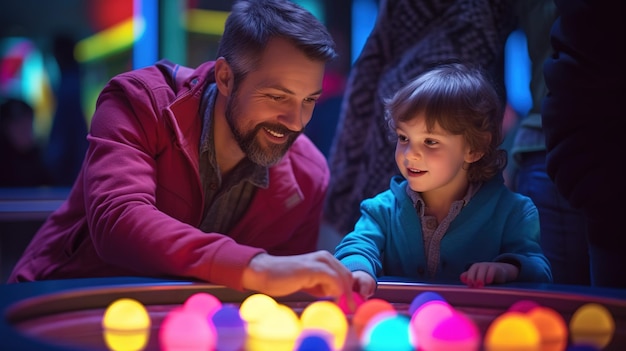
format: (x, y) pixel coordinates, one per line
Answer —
(430, 142)
(402, 138)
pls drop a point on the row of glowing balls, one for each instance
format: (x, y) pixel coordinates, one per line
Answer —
(260, 323)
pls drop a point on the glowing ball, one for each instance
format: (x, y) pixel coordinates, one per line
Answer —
(278, 330)
(126, 340)
(230, 327)
(427, 317)
(126, 325)
(592, 324)
(184, 330)
(512, 331)
(523, 306)
(367, 311)
(280, 324)
(254, 308)
(313, 342)
(343, 302)
(202, 303)
(389, 332)
(422, 298)
(326, 316)
(126, 315)
(454, 333)
(551, 326)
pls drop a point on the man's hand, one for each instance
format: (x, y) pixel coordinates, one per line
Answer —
(485, 273)
(318, 273)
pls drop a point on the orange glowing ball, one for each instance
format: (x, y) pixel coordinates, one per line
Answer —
(512, 331)
(551, 326)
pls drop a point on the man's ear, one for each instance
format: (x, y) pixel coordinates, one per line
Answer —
(224, 78)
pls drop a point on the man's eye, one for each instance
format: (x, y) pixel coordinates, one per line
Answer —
(275, 97)
(310, 100)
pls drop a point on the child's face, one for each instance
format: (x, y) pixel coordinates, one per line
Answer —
(431, 160)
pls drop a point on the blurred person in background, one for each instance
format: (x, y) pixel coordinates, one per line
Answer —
(20, 154)
(563, 228)
(67, 143)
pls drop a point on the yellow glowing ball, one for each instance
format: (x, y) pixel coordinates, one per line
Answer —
(592, 324)
(256, 306)
(126, 340)
(512, 331)
(277, 330)
(551, 326)
(326, 316)
(281, 324)
(126, 315)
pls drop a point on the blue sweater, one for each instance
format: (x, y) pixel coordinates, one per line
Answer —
(495, 225)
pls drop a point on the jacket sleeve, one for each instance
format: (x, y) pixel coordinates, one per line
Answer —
(583, 112)
(121, 179)
(521, 245)
(361, 249)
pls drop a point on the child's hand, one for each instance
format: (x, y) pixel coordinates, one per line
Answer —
(364, 284)
(485, 273)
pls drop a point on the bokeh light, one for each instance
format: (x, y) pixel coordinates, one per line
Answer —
(135, 340)
(230, 327)
(512, 331)
(427, 317)
(592, 324)
(313, 341)
(326, 316)
(422, 298)
(551, 326)
(454, 333)
(254, 308)
(188, 331)
(387, 332)
(126, 314)
(203, 303)
(367, 311)
(278, 330)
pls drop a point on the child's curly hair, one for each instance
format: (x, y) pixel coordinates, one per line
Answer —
(463, 101)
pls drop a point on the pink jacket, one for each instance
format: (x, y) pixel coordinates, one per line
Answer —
(138, 200)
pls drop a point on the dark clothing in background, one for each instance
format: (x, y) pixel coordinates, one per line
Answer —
(563, 228)
(583, 120)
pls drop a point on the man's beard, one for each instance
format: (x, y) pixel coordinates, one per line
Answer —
(254, 150)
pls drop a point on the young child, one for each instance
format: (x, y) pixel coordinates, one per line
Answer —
(449, 217)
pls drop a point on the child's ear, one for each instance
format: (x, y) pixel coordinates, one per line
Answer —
(473, 156)
(224, 78)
